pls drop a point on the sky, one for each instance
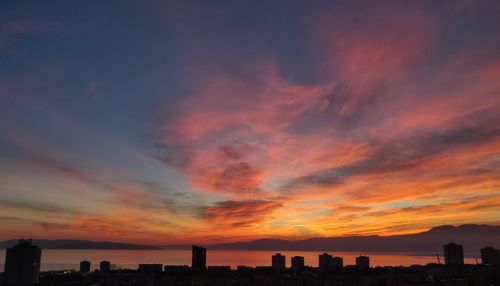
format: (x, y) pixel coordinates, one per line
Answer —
(166, 122)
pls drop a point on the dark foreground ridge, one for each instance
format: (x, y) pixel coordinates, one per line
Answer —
(429, 275)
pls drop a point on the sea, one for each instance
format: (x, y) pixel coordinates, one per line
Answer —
(65, 259)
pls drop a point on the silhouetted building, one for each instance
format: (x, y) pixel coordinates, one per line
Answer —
(219, 269)
(490, 255)
(278, 262)
(337, 262)
(325, 262)
(176, 269)
(432, 274)
(453, 254)
(22, 263)
(85, 266)
(199, 258)
(244, 268)
(265, 269)
(363, 262)
(297, 263)
(105, 266)
(150, 267)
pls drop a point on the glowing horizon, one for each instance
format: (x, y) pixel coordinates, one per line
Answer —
(174, 123)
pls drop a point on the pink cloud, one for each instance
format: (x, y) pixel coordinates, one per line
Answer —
(228, 127)
(381, 127)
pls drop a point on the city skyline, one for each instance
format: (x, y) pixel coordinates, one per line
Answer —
(185, 122)
(23, 262)
(24, 258)
(22, 267)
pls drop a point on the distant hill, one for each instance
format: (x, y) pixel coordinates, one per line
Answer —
(79, 244)
(472, 236)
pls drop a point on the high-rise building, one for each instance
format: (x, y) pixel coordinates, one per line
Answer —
(325, 262)
(490, 255)
(199, 258)
(297, 263)
(337, 262)
(22, 263)
(105, 266)
(363, 262)
(278, 262)
(453, 254)
(85, 266)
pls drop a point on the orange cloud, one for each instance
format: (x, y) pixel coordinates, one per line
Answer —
(394, 130)
(385, 126)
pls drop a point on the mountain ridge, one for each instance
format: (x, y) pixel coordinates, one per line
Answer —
(471, 236)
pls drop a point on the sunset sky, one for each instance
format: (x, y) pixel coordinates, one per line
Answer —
(166, 122)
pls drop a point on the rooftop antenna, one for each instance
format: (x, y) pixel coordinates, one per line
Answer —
(439, 260)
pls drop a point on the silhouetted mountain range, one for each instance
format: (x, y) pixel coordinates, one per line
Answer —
(80, 244)
(472, 236)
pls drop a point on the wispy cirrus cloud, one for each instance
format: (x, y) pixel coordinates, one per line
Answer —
(39, 207)
(240, 214)
(407, 151)
(276, 120)
(229, 151)
(386, 111)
